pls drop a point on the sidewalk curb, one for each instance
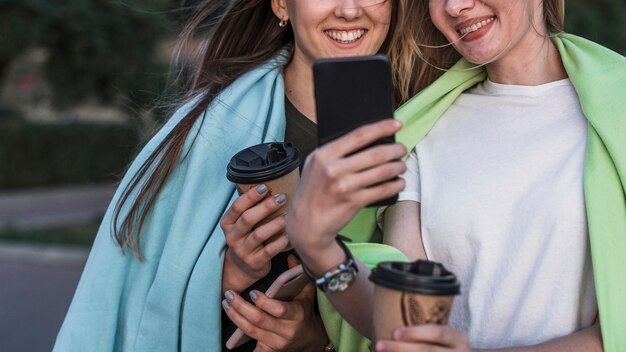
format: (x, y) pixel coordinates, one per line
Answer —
(43, 254)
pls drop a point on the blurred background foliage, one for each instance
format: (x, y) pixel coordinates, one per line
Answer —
(116, 53)
(95, 47)
(602, 21)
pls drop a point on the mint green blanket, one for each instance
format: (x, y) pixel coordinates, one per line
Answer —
(172, 300)
(599, 77)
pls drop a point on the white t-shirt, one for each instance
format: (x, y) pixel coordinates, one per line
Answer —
(500, 182)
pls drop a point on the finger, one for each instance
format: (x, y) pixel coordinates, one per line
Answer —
(244, 202)
(398, 346)
(252, 314)
(261, 235)
(435, 334)
(259, 326)
(379, 192)
(254, 215)
(274, 307)
(370, 177)
(269, 250)
(372, 156)
(361, 137)
(283, 310)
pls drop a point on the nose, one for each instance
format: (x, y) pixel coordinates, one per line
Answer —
(348, 9)
(455, 8)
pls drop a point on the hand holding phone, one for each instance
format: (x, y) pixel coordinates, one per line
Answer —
(286, 286)
(351, 92)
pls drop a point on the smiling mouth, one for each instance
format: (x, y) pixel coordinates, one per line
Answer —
(476, 26)
(345, 37)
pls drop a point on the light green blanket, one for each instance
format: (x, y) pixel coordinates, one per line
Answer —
(599, 77)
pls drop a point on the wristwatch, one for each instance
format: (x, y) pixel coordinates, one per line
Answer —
(339, 279)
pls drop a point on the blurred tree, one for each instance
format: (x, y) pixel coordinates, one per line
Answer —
(603, 21)
(22, 24)
(102, 48)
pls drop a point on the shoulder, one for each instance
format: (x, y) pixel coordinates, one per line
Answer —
(586, 52)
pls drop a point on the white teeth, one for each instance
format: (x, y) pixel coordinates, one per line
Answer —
(476, 26)
(345, 37)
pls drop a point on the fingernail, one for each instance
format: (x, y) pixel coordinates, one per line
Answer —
(229, 296)
(397, 334)
(397, 123)
(281, 198)
(260, 189)
(253, 295)
(225, 305)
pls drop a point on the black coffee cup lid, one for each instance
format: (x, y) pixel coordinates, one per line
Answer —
(263, 162)
(421, 276)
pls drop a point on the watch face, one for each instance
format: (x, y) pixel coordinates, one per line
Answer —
(340, 282)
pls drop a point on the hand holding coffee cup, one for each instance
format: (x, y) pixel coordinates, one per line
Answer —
(405, 294)
(265, 176)
(274, 164)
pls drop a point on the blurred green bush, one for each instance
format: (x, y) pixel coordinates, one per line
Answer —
(35, 154)
(602, 21)
(103, 48)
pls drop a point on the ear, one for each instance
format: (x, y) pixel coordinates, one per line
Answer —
(280, 9)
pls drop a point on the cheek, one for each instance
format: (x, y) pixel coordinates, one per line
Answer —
(437, 16)
(382, 19)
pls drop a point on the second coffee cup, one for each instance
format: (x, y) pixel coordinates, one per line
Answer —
(421, 292)
(275, 164)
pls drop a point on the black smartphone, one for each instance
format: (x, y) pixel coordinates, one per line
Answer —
(351, 92)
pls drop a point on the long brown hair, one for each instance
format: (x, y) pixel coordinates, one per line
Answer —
(245, 34)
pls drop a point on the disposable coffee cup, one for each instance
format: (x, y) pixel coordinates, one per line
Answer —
(405, 294)
(275, 164)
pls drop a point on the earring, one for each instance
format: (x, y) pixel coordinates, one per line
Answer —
(282, 23)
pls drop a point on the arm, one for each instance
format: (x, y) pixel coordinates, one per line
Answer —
(416, 338)
(402, 222)
(402, 229)
(335, 184)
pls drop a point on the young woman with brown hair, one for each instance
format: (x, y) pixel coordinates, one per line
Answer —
(515, 181)
(175, 211)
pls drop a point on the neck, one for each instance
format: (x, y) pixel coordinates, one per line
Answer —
(521, 68)
(299, 87)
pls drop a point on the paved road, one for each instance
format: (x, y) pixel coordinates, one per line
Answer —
(39, 208)
(35, 300)
(37, 282)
